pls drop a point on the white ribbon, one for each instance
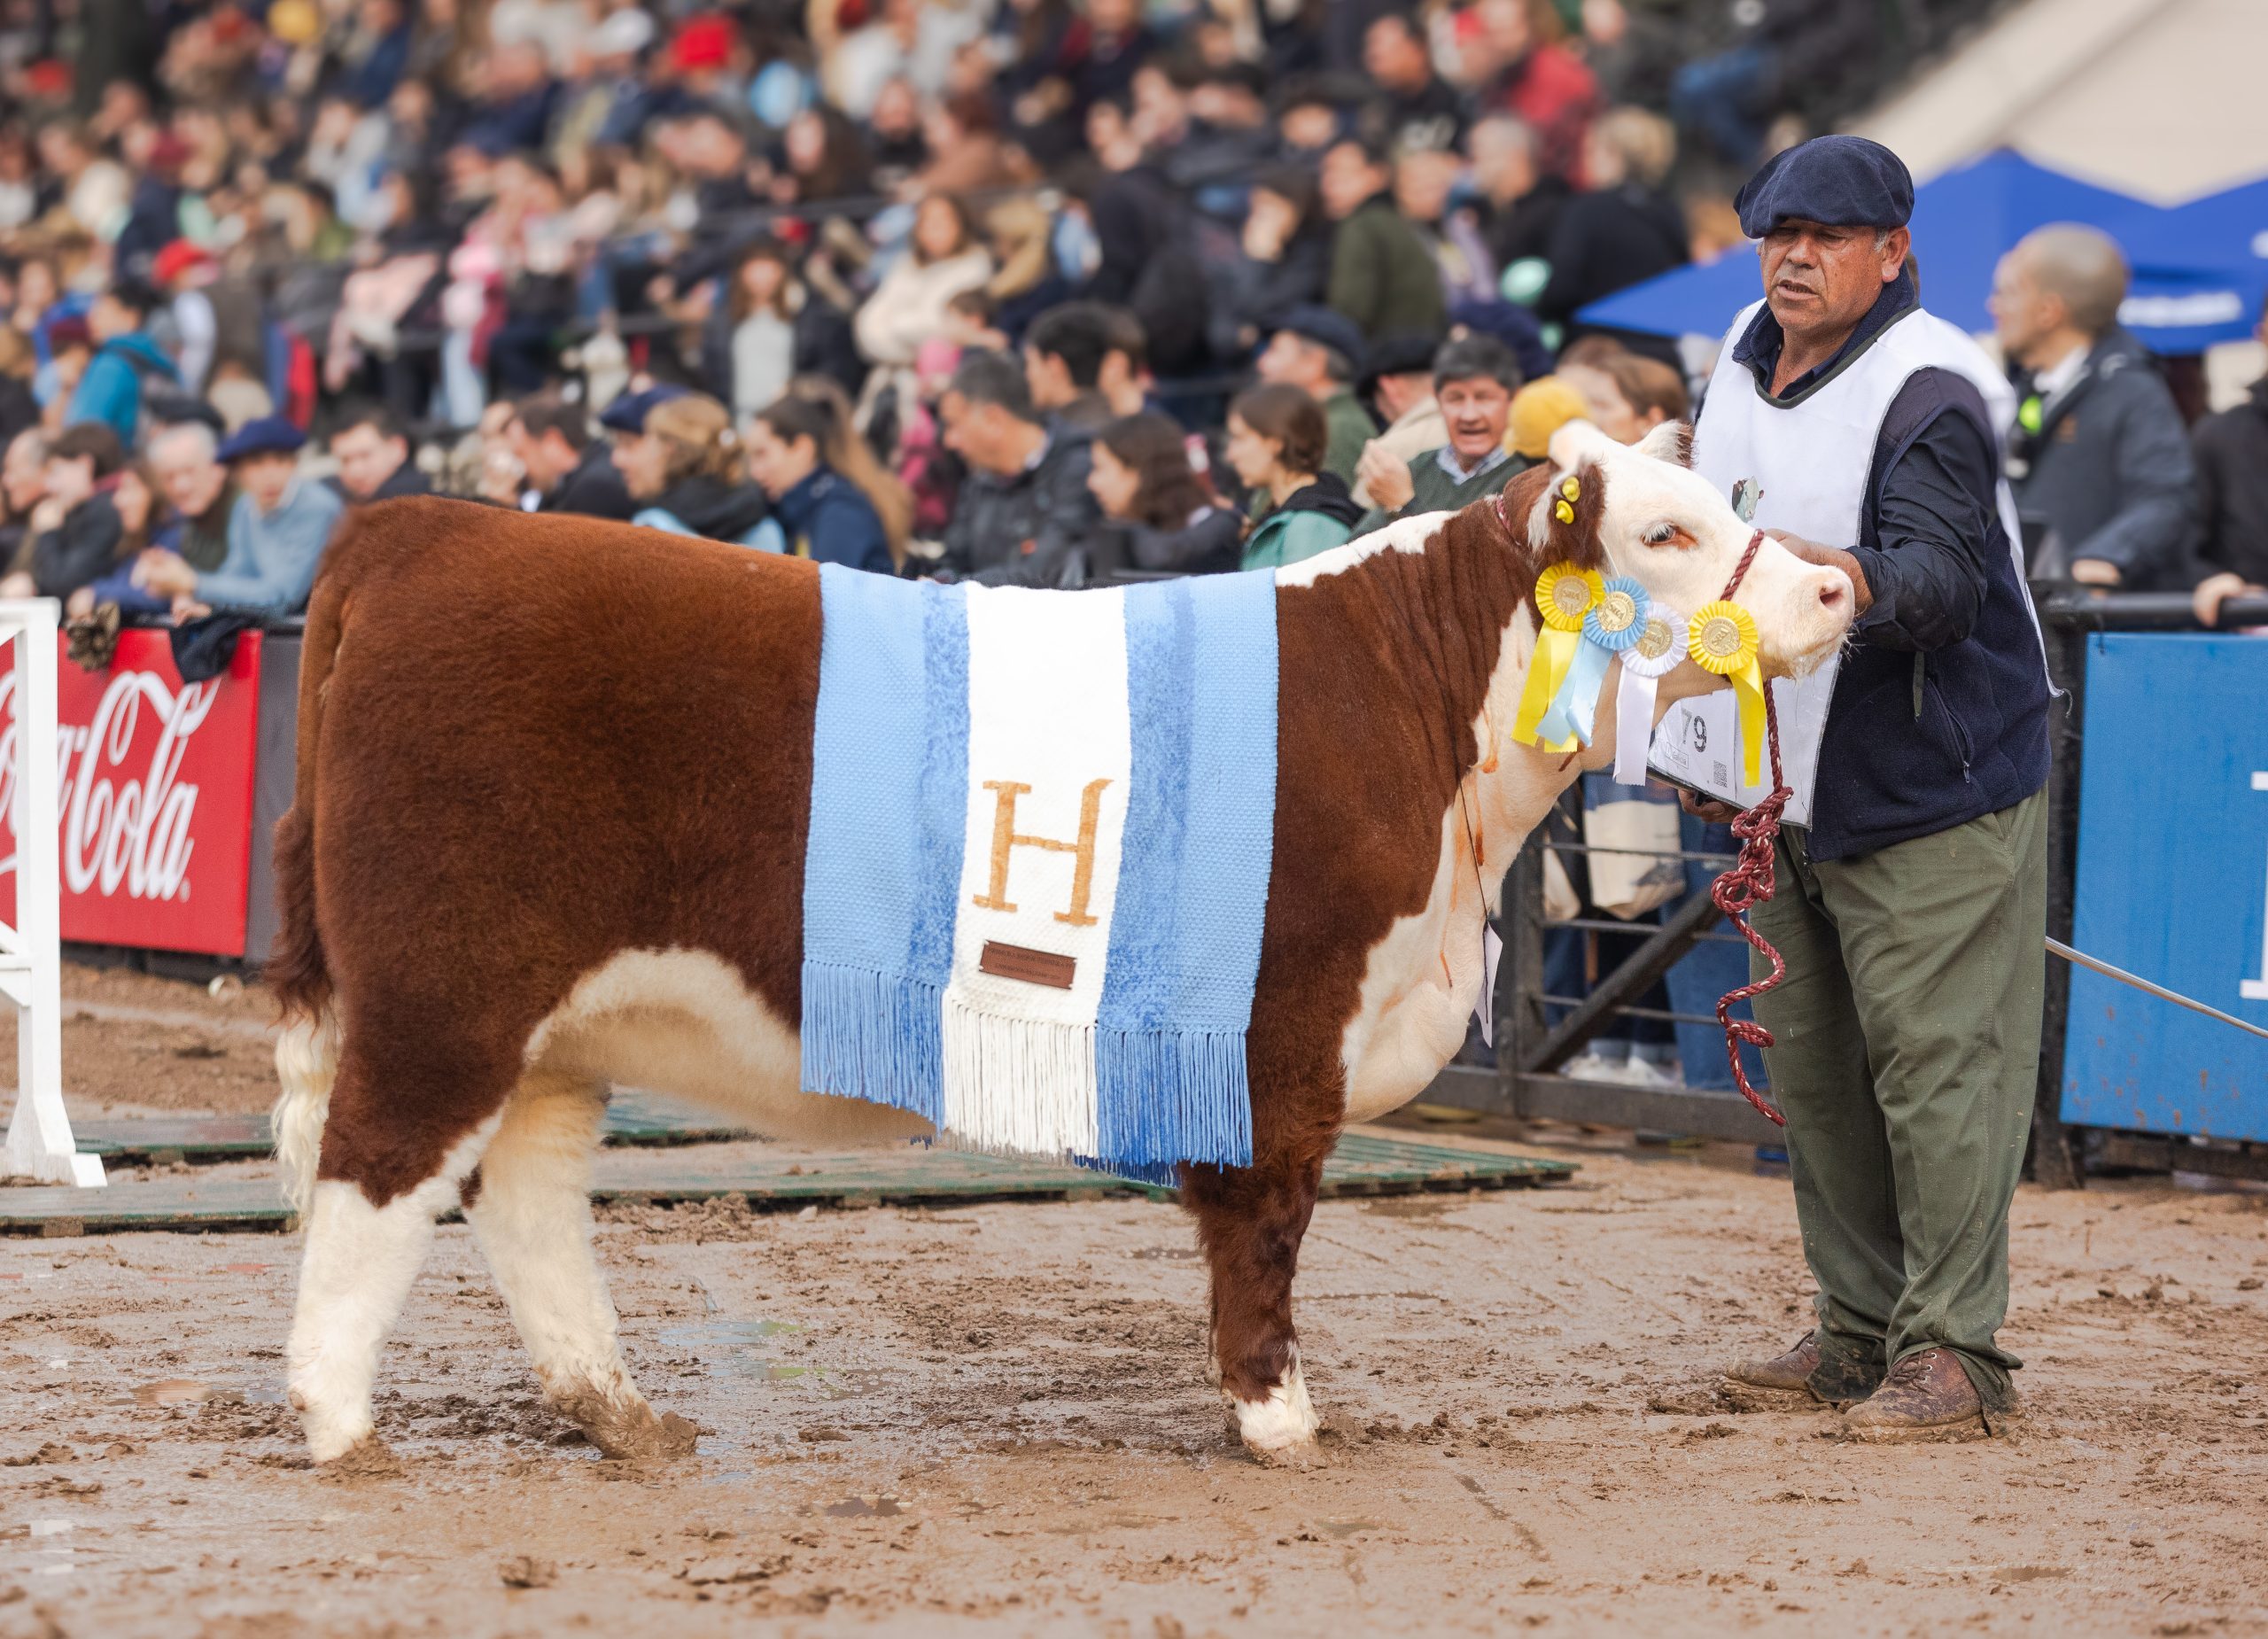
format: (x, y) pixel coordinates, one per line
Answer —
(1656, 653)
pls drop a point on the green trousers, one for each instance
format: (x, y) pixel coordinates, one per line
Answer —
(1908, 1051)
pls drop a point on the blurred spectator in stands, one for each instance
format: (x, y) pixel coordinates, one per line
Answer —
(1423, 180)
(1282, 262)
(1382, 277)
(23, 485)
(19, 405)
(820, 157)
(2098, 457)
(773, 328)
(1142, 227)
(1512, 52)
(70, 350)
(966, 152)
(1025, 507)
(276, 534)
(373, 455)
(75, 529)
(684, 467)
(895, 137)
(821, 514)
(2232, 452)
(1162, 518)
(1624, 229)
(1521, 201)
(1275, 447)
(1473, 382)
(1398, 374)
(1316, 350)
(140, 511)
(200, 497)
(1628, 396)
(851, 457)
(1416, 111)
(1028, 283)
(942, 258)
(127, 361)
(1063, 358)
(1540, 410)
(566, 469)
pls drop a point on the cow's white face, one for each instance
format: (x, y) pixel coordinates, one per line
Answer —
(1665, 527)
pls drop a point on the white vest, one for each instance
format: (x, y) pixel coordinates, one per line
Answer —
(1810, 462)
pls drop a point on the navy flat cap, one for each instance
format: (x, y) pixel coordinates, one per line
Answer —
(268, 435)
(1405, 355)
(1840, 182)
(1329, 327)
(629, 410)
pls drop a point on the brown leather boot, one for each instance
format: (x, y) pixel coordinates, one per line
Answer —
(1779, 1384)
(1927, 1396)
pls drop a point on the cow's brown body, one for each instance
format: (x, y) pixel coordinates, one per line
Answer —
(529, 746)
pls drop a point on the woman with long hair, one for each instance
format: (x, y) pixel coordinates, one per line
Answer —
(1276, 439)
(943, 258)
(821, 514)
(846, 450)
(1162, 519)
(685, 468)
(773, 328)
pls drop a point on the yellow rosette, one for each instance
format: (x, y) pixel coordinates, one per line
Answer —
(1563, 595)
(1723, 639)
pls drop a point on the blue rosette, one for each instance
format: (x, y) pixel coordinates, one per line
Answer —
(1613, 626)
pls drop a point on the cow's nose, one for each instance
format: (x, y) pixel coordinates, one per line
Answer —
(1834, 594)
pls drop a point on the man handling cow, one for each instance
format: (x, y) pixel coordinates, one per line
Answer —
(1911, 905)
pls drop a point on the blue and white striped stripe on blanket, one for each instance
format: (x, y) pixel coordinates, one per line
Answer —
(1038, 869)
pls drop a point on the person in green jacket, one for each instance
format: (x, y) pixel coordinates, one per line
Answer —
(1276, 443)
(1474, 378)
(1316, 350)
(1382, 275)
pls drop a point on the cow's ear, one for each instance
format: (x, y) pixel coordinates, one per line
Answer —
(1572, 506)
(1576, 442)
(1672, 441)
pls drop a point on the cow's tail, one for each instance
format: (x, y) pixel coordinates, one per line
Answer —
(306, 1052)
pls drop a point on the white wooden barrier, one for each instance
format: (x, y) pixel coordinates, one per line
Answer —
(40, 1144)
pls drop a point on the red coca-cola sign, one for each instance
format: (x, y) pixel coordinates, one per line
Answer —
(155, 799)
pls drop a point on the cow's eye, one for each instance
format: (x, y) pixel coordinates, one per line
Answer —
(1662, 535)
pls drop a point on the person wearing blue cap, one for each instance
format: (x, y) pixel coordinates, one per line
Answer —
(276, 535)
(1912, 901)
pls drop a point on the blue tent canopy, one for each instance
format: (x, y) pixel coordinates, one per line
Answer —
(2202, 268)
(1963, 222)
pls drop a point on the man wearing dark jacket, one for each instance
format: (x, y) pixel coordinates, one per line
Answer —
(2231, 451)
(1382, 275)
(1025, 507)
(1912, 903)
(565, 468)
(2100, 458)
(372, 449)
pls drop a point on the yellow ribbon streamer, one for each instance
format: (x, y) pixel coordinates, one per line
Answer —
(1563, 595)
(1723, 639)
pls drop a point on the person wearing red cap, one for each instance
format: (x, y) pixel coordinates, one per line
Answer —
(183, 270)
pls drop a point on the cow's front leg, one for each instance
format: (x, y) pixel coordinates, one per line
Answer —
(1250, 1221)
(533, 1214)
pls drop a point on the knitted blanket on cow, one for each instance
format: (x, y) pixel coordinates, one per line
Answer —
(1041, 831)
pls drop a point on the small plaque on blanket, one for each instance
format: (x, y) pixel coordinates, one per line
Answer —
(1019, 961)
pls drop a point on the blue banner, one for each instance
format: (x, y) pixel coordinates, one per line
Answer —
(2172, 886)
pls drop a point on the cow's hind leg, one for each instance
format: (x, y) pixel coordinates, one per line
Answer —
(532, 1212)
(1251, 1221)
(381, 1182)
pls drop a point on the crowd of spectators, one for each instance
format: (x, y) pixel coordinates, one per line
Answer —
(1043, 291)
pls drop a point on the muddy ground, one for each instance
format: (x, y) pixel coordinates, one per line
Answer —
(994, 1418)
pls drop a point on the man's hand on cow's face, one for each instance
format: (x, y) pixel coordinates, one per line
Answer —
(1832, 557)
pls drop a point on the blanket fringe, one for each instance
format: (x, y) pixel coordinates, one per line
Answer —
(870, 1035)
(1020, 1085)
(1171, 1095)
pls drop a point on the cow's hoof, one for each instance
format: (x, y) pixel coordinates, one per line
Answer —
(367, 1459)
(632, 1432)
(1279, 1428)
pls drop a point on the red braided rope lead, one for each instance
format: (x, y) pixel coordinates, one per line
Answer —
(1749, 882)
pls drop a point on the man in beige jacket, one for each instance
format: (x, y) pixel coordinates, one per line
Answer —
(1399, 375)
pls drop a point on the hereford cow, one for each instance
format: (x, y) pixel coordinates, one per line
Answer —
(553, 794)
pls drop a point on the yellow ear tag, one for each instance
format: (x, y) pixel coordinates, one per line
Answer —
(1723, 639)
(1571, 487)
(1563, 595)
(1564, 513)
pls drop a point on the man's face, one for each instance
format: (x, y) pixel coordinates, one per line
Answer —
(367, 458)
(1399, 394)
(1348, 180)
(978, 433)
(267, 478)
(110, 317)
(2023, 313)
(22, 476)
(1290, 358)
(1422, 181)
(1394, 56)
(777, 464)
(1820, 279)
(544, 460)
(1049, 379)
(191, 478)
(1475, 409)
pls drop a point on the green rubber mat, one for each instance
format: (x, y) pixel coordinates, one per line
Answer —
(1362, 1165)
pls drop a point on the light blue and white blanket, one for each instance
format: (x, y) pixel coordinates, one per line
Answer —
(1038, 869)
